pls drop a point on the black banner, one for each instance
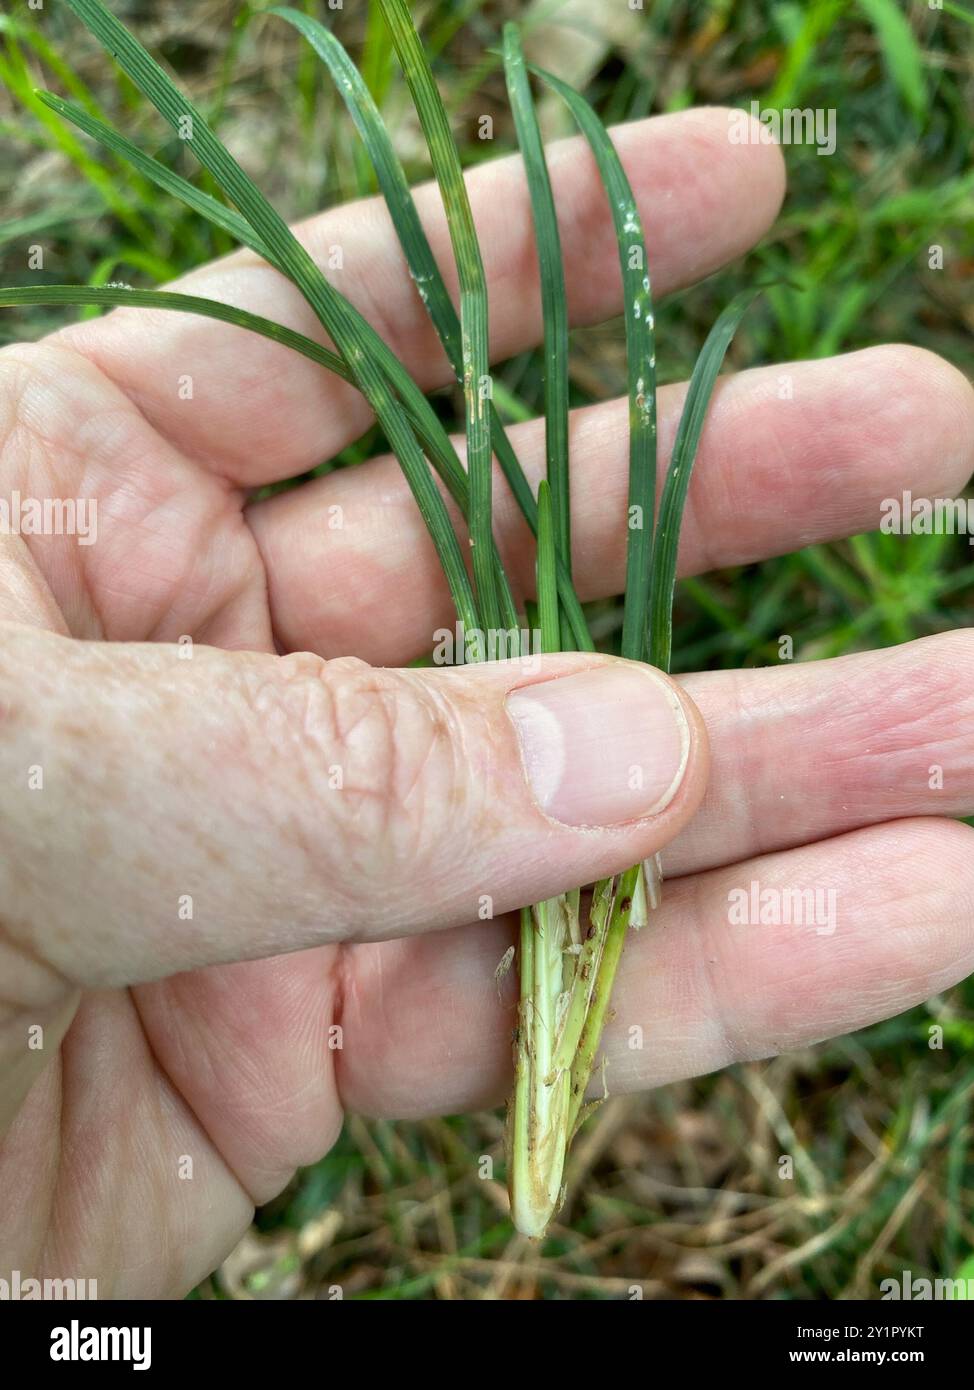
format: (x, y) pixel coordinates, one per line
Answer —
(255, 1337)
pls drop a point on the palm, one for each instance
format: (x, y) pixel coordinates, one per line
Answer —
(231, 1065)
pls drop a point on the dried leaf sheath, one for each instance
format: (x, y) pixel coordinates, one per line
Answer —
(539, 1119)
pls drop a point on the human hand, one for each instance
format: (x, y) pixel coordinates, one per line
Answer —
(167, 1037)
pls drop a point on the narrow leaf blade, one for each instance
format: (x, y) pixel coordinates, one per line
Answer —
(675, 488)
(640, 326)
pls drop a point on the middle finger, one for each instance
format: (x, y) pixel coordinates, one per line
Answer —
(772, 474)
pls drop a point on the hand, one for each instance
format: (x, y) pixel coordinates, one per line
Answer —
(209, 785)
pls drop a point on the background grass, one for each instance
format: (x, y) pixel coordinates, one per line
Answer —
(677, 1192)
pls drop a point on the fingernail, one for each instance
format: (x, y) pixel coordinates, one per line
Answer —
(602, 747)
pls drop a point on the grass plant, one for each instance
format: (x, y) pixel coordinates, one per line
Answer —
(569, 947)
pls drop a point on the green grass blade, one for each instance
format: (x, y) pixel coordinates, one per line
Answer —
(677, 482)
(203, 203)
(104, 271)
(425, 271)
(903, 54)
(368, 122)
(112, 297)
(641, 359)
(554, 307)
(377, 57)
(473, 291)
(337, 317)
(547, 572)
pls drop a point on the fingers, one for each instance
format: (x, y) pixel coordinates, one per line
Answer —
(772, 473)
(161, 813)
(802, 752)
(697, 989)
(260, 412)
(106, 1161)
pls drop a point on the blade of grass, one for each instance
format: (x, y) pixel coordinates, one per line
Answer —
(376, 54)
(554, 309)
(473, 291)
(132, 256)
(640, 327)
(798, 68)
(292, 258)
(902, 52)
(389, 173)
(47, 219)
(113, 297)
(677, 482)
(424, 269)
(547, 574)
(155, 171)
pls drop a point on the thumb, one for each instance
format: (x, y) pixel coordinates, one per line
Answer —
(164, 808)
